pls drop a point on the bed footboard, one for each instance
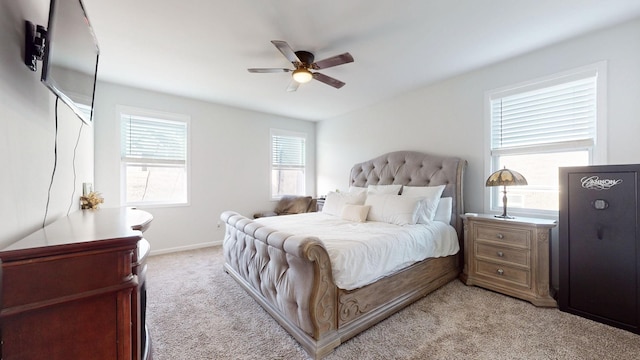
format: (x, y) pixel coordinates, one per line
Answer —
(290, 276)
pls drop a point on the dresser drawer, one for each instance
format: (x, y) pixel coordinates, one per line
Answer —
(90, 271)
(518, 257)
(504, 274)
(511, 236)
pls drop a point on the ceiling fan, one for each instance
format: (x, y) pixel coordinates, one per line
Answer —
(303, 62)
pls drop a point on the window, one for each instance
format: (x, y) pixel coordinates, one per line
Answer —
(288, 152)
(154, 164)
(538, 127)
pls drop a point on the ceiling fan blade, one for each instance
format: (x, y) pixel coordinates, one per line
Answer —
(268, 70)
(332, 61)
(293, 86)
(286, 50)
(328, 80)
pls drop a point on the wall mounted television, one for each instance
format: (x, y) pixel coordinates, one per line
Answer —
(69, 56)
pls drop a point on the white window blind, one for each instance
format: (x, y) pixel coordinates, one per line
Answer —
(146, 140)
(154, 157)
(562, 115)
(288, 151)
(540, 125)
(288, 154)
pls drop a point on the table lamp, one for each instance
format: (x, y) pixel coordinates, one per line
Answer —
(505, 177)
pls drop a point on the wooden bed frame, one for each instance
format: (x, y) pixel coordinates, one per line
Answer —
(290, 276)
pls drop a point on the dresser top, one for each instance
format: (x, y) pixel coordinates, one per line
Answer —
(516, 220)
(81, 230)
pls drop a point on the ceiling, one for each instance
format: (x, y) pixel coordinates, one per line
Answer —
(202, 49)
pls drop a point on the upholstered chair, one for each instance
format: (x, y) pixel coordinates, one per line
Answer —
(290, 204)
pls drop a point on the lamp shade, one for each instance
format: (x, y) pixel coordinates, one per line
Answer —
(506, 177)
(302, 75)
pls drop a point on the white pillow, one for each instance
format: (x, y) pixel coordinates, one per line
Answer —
(355, 212)
(429, 205)
(393, 209)
(335, 201)
(393, 189)
(443, 212)
(357, 190)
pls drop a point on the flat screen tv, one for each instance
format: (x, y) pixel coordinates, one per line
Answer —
(70, 59)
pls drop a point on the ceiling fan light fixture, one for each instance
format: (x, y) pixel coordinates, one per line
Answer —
(303, 62)
(302, 75)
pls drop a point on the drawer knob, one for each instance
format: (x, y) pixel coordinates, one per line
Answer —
(500, 272)
(500, 254)
(500, 236)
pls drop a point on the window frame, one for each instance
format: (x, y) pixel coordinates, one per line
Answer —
(280, 132)
(160, 116)
(597, 151)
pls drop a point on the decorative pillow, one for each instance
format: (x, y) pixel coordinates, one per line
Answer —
(393, 209)
(429, 205)
(355, 212)
(335, 201)
(443, 212)
(357, 190)
(393, 189)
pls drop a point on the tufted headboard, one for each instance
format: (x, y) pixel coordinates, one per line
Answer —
(416, 169)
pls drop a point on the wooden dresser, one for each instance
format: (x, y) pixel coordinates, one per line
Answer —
(510, 256)
(76, 289)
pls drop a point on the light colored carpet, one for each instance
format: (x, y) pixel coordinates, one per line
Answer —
(196, 311)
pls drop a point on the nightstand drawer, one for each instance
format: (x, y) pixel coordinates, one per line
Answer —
(505, 235)
(503, 254)
(504, 273)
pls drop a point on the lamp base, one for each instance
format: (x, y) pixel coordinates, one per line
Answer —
(504, 206)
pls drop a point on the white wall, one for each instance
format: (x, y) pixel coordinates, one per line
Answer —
(229, 163)
(27, 135)
(448, 117)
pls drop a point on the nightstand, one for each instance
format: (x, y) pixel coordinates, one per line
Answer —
(510, 256)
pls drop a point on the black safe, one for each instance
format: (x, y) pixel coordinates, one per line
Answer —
(599, 244)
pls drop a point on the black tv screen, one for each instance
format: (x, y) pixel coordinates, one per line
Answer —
(70, 61)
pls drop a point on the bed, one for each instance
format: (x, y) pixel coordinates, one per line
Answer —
(291, 275)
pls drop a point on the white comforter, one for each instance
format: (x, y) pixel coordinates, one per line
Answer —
(362, 253)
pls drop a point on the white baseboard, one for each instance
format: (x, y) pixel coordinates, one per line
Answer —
(185, 248)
